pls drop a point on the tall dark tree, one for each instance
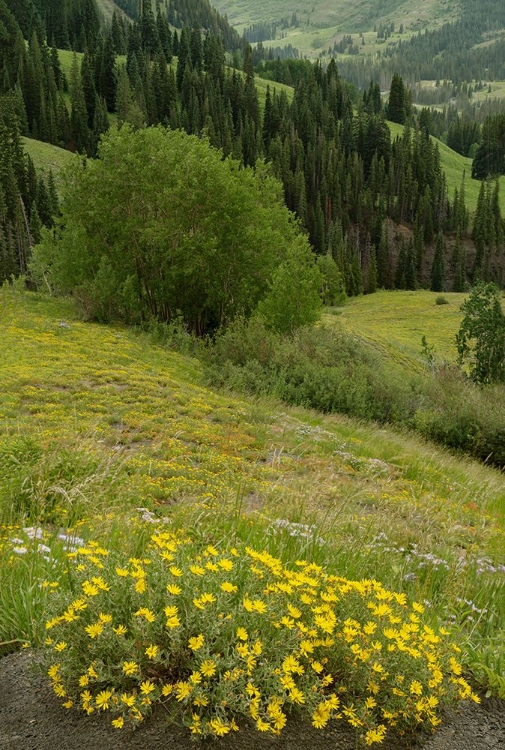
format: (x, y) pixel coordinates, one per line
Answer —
(438, 266)
(459, 265)
(106, 69)
(397, 107)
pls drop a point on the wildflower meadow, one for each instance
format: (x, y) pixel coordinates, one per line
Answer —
(239, 562)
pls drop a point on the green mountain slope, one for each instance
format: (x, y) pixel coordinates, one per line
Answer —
(455, 167)
(47, 157)
(95, 423)
(361, 16)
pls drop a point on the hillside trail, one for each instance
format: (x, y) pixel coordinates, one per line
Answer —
(31, 718)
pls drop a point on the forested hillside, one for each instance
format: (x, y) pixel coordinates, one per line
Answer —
(378, 207)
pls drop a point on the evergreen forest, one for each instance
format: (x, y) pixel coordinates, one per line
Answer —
(379, 206)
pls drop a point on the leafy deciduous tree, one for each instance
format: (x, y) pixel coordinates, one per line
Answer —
(161, 225)
(481, 337)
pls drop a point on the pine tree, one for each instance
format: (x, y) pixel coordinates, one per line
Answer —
(79, 117)
(459, 265)
(397, 104)
(184, 56)
(410, 267)
(100, 123)
(148, 28)
(438, 267)
(106, 78)
(196, 49)
(401, 263)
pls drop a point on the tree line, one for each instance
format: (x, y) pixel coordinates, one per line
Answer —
(347, 183)
(27, 199)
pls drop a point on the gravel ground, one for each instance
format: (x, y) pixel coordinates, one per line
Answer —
(31, 718)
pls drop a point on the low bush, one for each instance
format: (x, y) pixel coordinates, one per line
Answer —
(229, 636)
(463, 416)
(324, 369)
(316, 367)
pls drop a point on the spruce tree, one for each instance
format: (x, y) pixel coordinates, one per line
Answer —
(459, 265)
(396, 108)
(438, 267)
(78, 117)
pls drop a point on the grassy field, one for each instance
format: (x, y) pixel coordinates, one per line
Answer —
(47, 157)
(395, 322)
(100, 429)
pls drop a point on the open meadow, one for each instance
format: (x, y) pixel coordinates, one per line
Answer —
(395, 323)
(122, 473)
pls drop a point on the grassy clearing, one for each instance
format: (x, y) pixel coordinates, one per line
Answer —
(100, 432)
(47, 157)
(395, 322)
(66, 57)
(261, 87)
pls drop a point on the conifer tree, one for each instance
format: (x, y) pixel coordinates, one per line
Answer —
(78, 117)
(106, 73)
(438, 267)
(397, 104)
(459, 265)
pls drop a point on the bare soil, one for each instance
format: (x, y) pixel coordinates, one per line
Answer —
(31, 718)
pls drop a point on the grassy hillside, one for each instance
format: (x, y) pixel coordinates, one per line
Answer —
(322, 22)
(97, 425)
(395, 322)
(47, 157)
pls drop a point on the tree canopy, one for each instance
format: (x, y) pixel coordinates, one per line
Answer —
(481, 337)
(161, 225)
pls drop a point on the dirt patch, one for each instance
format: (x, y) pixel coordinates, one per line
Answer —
(31, 718)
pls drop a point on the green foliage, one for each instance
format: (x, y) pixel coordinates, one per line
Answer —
(316, 367)
(324, 369)
(332, 288)
(44, 486)
(490, 156)
(481, 337)
(293, 299)
(161, 225)
(398, 107)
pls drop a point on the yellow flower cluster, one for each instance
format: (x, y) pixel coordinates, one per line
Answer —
(231, 633)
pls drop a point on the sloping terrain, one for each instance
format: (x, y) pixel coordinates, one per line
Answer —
(97, 425)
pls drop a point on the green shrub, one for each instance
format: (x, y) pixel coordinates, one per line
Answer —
(321, 368)
(456, 413)
(316, 367)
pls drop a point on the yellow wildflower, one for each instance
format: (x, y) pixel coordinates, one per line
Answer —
(94, 630)
(196, 642)
(129, 668)
(102, 699)
(208, 668)
(147, 687)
